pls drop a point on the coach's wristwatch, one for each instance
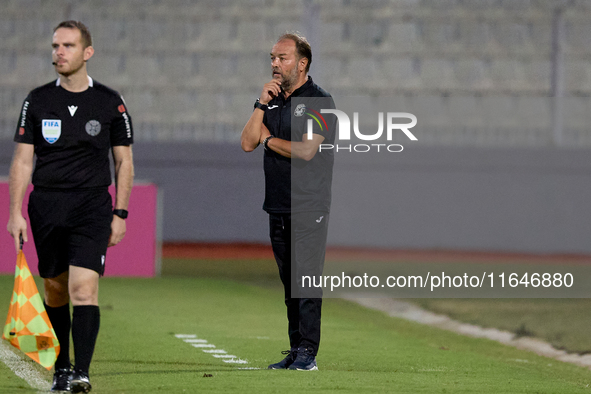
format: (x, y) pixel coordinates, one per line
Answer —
(260, 105)
(122, 213)
(266, 141)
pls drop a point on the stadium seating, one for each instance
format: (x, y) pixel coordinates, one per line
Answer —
(444, 50)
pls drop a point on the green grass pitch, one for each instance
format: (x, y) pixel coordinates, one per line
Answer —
(362, 351)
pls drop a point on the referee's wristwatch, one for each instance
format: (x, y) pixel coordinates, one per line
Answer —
(260, 105)
(122, 213)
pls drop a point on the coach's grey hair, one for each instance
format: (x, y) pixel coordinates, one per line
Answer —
(303, 47)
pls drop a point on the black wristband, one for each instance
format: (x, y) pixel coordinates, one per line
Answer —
(260, 105)
(266, 141)
(122, 213)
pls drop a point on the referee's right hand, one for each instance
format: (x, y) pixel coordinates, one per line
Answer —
(17, 227)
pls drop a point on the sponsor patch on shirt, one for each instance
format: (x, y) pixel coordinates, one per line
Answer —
(51, 129)
(93, 127)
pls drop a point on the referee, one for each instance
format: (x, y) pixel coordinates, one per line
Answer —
(297, 189)
(70, 125)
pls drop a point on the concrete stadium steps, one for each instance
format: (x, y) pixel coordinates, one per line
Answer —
(179, 63)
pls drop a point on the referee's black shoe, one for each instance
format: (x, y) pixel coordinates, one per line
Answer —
(287, 361)
(61, 379)
(305, 361)
(80, 383)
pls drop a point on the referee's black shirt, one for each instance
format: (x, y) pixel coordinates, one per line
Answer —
(73, 134)
(308, 187)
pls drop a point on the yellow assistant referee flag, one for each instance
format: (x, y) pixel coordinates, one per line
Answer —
(27, 326)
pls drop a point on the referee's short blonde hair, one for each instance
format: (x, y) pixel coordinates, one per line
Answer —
(84, 32)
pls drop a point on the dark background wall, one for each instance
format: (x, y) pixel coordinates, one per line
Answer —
(519, 200)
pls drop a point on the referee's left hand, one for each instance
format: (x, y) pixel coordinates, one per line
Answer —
(118, 229)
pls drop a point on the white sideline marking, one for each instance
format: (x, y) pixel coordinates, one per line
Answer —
(411, 312)
(21, 369)
(217, 353)
(236, 361)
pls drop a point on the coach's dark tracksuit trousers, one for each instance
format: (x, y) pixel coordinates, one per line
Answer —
(299, 246)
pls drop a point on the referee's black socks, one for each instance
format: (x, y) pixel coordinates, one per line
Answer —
(85, 327)
(60, 320)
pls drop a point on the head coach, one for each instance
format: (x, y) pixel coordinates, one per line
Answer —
(70, 125)
(297, 188)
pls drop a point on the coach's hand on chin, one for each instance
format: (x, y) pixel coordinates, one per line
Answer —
(270, 90)
(118, 229)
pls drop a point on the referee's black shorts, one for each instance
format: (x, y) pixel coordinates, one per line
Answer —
(70, 227)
